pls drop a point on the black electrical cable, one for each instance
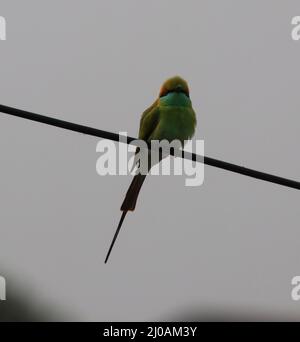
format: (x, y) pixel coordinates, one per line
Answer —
(116, 137)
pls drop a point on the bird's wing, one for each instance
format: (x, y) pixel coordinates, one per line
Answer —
(149, 121)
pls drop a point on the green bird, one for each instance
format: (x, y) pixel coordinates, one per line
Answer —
(170, 117)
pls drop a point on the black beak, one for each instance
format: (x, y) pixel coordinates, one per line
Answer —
(179, 89)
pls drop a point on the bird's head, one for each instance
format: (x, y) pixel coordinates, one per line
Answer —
(174, 85)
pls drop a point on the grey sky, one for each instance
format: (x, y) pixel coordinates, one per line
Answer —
(233, 242)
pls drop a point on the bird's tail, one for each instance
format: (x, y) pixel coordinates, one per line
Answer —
(115, 236)
(128, 205)
(133, 193)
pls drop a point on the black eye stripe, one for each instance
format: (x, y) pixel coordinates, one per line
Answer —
(173, 91)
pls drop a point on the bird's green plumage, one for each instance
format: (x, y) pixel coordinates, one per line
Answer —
(170, 117)
(149, 121)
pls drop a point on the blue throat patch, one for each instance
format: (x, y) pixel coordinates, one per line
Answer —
(175, 99)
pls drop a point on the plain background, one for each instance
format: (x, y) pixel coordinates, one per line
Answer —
(231, 245)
